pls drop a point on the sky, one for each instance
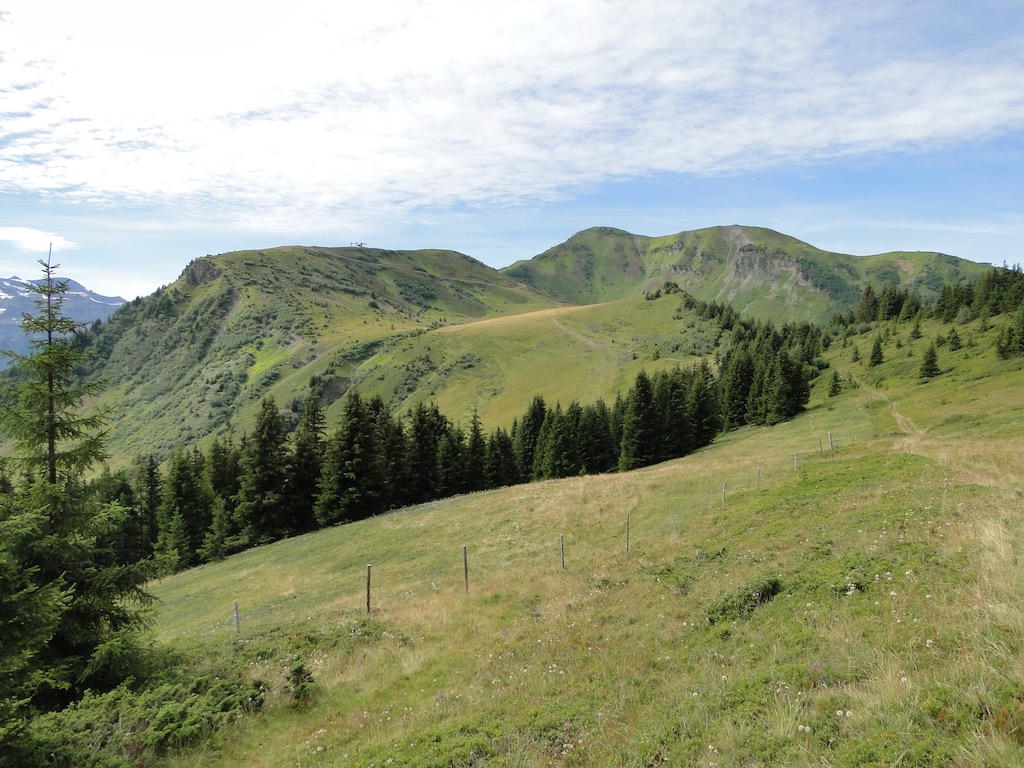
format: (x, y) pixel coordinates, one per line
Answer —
(135, 137)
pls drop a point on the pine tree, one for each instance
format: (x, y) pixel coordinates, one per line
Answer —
(476, 455)
(705, 414)
(352, 484)
(930, 363)
(30, 613)
(451, 463)
(394, 450)
(736, 381)
(598, 451)
(526, 435)
(641, 431)
(94, 643)
(500, 460)
(835, 384)
(186, 510)
(306, 466)
(427, 426)
(262, 512)
(147, 484)
(877, 357)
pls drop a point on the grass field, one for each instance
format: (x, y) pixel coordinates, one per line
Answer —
(842, 589)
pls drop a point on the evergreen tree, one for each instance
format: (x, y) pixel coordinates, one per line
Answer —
(954, 340)
(703, 407)
(186, 511)
(641, 431)
(63, 532)
(598, 451)
(393, 450)
(223, 469)
(736, 380)
(147, 485)
(426, 428)
(128, 543)
(262, 511)
(306, 466)
(671, 402)
(476, 455)
(930, 363)
(29, 616)
(557, 450)
(451, 463)
(526, 435)
(500, 467)
(877, 357)
(352, 484)
(835, 384)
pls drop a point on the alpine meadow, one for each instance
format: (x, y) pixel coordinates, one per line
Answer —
(718, 498)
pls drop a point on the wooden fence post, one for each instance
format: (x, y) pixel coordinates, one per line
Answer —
(465, 565)
(368, 566)
(627, 530)
(561, 546)
(238, 620)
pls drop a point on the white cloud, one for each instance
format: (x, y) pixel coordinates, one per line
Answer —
(309, 115)
(34, 240)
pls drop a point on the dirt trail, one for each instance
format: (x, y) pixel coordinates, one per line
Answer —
(974, 459)
(575, 334)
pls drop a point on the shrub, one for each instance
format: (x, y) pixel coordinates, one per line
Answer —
(744, 600)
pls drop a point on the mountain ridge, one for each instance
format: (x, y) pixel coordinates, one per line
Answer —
(195, 358)
(765, 271)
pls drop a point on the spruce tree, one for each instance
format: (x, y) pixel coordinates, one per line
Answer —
(306, 466)
(500, 460)
(352, 484)
(598, 451)
(641, 431)
(526, 436)
(877, 357)
(476, 455)
(835, 384)
(930, 363)
(427, 426)
(186, 511)
(261, 510)
(94, 643)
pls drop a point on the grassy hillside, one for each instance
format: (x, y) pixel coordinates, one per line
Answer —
(886, 627)
(497, 365)
(195, 359)
(759, 271)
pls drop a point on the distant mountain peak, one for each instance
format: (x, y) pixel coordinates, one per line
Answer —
(17, 299)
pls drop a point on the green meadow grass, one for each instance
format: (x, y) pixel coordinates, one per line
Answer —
(780, 603)
(496, 366)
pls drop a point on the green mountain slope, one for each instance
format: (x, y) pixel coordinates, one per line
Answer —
(496, 366)
(196, 357)
(760, 272)
(841, 589)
